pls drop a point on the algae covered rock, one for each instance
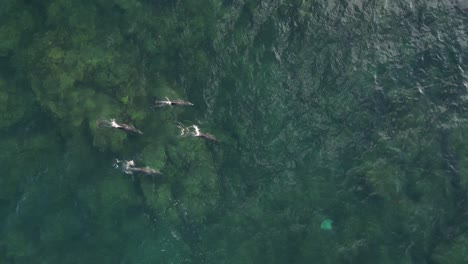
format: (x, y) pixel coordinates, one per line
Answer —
(160, 199)
(106, 138)
(13, 104)
(188, 190)
(110, 195)
(16, 21)
(154, 155)
(196, 185)
(455, 251)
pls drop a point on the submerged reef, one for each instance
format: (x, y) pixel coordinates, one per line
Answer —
(15, 103)
(325, 110)
(67, 65)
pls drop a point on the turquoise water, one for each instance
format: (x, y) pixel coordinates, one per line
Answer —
(341, 130)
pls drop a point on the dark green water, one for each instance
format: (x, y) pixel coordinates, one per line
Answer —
(349, 111)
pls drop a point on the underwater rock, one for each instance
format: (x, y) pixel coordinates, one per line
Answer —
(454, 251)
(14, 103)
(191, 183)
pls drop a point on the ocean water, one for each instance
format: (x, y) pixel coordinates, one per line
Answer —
(340, 128)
